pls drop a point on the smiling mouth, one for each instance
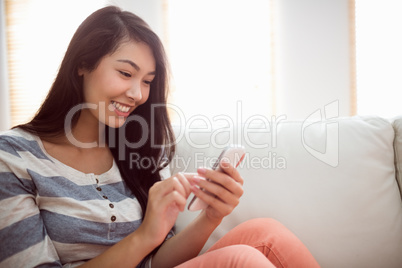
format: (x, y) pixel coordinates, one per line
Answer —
(120, 107)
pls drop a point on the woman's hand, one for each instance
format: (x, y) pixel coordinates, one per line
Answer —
(165, 200)
(225, 189)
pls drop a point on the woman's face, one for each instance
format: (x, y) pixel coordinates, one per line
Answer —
(119, 84)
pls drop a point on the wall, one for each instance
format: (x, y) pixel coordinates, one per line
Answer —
(312, 52)
(312, 60)
(312, 55)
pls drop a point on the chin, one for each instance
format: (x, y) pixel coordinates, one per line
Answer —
(116, 122)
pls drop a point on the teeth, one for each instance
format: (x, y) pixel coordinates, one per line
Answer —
(121, 108)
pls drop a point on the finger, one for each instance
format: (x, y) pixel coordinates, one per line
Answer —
(184, 182)
(226, 168)
(221, 192)
(165, 187)
(223, 179)
(189, 175)
(231, 170)
(194, 180)
(212, 201)
(178, 186)
(175, 198)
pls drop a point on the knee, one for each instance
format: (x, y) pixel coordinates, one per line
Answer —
(278, 243)
(244, 256)
(270, 230)
(263, 226)
(263, 232)
(263, 223)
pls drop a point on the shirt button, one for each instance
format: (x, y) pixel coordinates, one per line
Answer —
(105, 197)
(111, 205)
(99, 189)
(113, 218)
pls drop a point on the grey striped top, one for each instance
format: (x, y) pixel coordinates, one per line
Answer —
(52, 215)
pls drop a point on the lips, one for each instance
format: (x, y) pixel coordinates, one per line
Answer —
(120, 107)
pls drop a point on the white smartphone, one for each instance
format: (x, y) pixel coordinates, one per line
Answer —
(234, 154)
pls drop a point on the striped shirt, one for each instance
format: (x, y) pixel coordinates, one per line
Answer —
(52, 215)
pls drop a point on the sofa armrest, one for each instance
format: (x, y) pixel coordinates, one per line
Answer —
(397, 125)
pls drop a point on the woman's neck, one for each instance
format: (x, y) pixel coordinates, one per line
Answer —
(88, 131)
(81, 147)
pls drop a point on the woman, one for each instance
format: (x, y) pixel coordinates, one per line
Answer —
(70, 195)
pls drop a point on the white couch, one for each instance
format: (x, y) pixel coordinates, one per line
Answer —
(336, 184)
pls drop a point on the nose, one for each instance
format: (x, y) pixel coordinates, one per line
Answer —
(134, 92)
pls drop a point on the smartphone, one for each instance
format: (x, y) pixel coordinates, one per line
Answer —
(234, 154)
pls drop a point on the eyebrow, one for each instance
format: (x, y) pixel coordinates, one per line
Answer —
(135, 66)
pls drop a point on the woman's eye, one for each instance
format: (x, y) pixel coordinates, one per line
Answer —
(147, 82)
(125, 74)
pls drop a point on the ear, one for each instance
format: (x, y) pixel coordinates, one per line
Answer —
(81, 71)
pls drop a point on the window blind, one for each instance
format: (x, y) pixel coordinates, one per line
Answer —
(22, 103)
(38, 33)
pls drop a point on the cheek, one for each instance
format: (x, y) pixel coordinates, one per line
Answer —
(109, 86)
(99, 88)
(91, 86)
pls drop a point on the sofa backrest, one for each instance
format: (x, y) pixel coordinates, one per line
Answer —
(333, 183)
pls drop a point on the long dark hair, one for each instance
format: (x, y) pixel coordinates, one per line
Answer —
(100, 35)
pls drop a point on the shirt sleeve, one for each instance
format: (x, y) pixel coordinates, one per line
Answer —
(23, 238)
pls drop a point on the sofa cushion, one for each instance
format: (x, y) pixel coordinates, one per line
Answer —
(330, 182)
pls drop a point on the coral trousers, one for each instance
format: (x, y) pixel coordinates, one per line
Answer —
(256, 243)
